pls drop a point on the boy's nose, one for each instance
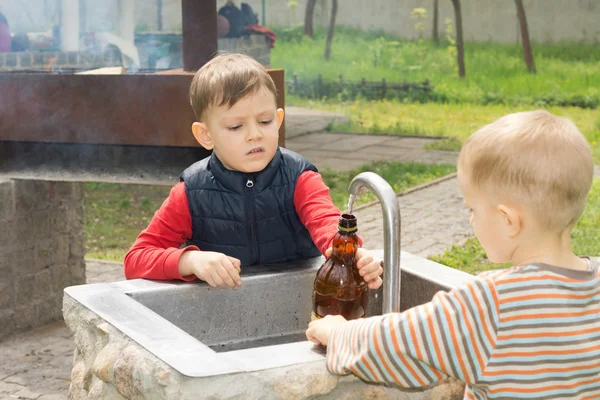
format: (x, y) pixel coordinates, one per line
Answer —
(253, 132)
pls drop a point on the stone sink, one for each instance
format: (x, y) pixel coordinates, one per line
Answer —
(143, 339)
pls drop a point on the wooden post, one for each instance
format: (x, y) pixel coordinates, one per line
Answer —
(199, 20)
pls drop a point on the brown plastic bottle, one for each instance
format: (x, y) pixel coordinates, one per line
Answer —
(339, 289)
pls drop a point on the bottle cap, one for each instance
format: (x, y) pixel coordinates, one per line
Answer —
(347, 223)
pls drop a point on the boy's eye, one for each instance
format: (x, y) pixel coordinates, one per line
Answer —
(234, 128)
(266, 122)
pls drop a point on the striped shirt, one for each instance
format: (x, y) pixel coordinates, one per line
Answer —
(529, 332)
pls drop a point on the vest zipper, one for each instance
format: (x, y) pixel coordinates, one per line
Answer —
(248, 197)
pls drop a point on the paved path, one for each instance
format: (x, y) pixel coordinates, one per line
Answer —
(37, 364)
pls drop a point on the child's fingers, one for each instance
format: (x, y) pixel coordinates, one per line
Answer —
(311, 334)
(328, 252)
(217, 279)
(224, 274)
(210, 281)
(375, 284)
(237, 264)
(374, 274)
(233, 272)
(370, 269)
(364, 261)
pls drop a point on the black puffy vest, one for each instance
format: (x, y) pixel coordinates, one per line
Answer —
(249, 216)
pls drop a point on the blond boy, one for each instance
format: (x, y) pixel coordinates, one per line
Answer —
(531, 331)
(251, 202)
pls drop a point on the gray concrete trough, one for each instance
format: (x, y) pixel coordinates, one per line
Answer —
(167, 340)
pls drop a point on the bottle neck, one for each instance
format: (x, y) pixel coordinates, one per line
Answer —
(345, 245)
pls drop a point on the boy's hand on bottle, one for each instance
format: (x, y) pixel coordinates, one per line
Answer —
(369, 267)
(216, 269)
(319, 330)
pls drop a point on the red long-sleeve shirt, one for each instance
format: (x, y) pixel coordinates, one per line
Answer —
(156, 251)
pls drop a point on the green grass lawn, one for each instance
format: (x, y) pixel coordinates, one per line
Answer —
(455, 121)
(115, 213)
(471, 257)
(567, 73)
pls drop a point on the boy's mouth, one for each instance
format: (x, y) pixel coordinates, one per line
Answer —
(256, 150)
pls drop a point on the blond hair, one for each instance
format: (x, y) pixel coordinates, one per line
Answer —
(225, 79)
(535, 158)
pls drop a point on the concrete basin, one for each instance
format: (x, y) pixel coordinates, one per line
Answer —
(147, 339)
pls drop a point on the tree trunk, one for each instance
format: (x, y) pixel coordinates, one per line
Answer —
(334, 8)
(308, 17)
(527, 53)
(460, 44)
(436, 17)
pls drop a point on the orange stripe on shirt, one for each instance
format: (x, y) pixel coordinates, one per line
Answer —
(459, 354)
(540, 389)
(553, 315)
(417, 342)
(535, 278)
(470, 329)
(434, 339)
(541, 370)
(548, 296)
(539, 335)
(389, 370)
(488, 335)
(400, 353)
(546, 352)
(364, 358)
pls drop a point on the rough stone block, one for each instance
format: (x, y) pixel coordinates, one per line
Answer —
(44, 253)
(7, 200)
(42, 288)
(24, 287)
(23, 260)
(40, 225)
(6, 265)
(25, 317)
(46, 312)
(58, 219)
(78, 190)
(65, 190)
(60, 277)
(77, 271)
(77, 245)
(31, 195)
(61, 249)
(7, 323)
(7, 296)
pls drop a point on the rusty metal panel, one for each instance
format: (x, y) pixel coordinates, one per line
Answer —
(146, 110)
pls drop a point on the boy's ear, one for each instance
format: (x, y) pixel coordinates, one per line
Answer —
(200, 131)
(280, 114)
(513, 221)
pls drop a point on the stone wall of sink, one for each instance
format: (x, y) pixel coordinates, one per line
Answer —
(109, 365)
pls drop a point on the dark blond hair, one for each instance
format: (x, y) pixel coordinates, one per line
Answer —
(225, 79)
(536, 159)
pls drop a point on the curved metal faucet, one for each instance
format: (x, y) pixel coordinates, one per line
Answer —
(391, 234)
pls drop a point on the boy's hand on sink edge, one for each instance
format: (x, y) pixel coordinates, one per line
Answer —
(369, 267)
(319, 330)
(216, 269)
